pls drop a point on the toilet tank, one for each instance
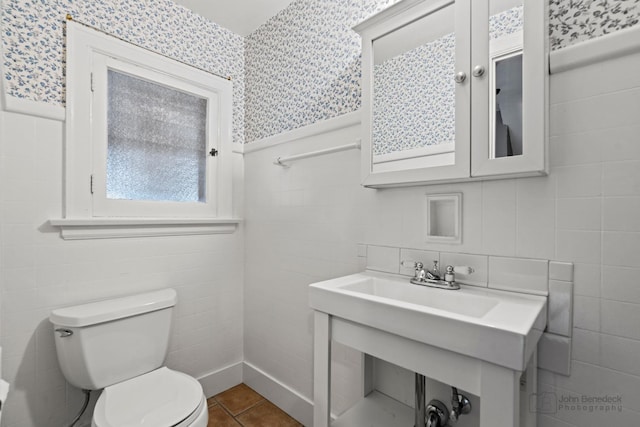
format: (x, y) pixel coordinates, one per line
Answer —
(106, 342)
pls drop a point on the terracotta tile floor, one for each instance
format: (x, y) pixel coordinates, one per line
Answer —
(242, 406)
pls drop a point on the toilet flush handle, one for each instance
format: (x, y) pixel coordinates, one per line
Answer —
(64, 332)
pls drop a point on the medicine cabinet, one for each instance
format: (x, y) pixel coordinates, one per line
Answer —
(454, 90)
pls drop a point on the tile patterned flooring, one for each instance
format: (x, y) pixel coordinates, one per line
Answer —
(242, 406)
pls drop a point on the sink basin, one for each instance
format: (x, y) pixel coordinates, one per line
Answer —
(496, 326)
(463, 303)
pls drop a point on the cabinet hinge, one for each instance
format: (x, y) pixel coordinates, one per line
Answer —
(91, 184)
(92, 88)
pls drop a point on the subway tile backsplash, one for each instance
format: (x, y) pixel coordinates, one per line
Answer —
(561, 271)
(524, 275)
(383, 258)
(409, 256)
(511, 274)
(519, 275)
(479, 263)
(560, 308)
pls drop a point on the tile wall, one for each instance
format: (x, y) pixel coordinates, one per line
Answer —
(304, 223)
(39, 272)
(302, 226)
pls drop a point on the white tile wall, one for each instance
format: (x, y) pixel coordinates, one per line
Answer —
(586, 346)
(39, 272)
(560, 308)
(561, 271)
(479, 263)
(384, 258)
(518, 274)
(290, 246)
(409, 256)
(570, 216)
(554, 353)
(304, 224)
(621, 284)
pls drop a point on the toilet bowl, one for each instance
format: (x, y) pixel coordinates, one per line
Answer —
(159, 398)
(119, 345)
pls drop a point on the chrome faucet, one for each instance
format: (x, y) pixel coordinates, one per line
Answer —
(434, 274)
(433, 278)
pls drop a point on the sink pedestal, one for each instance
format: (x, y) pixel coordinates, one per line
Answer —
(503, 401)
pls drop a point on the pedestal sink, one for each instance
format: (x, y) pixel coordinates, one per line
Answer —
(477, 339)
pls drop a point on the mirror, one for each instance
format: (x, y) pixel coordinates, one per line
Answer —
(414, 94)
(507, 115)
(443, 218)
(446, 85)
(505, 73)
(414, 100)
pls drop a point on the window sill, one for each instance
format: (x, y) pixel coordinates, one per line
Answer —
(111, 228)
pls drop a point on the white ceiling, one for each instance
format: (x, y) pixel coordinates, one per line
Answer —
(239, 16)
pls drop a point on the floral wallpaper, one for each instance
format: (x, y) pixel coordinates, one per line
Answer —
(574, 21)
(34, 45)
(414, 104)
(414, 93)
(301, 66)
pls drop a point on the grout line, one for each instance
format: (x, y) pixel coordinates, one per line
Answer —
(259, 402)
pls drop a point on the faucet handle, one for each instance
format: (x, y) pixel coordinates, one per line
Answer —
(463, 269)
(412, 264)
(451, 271)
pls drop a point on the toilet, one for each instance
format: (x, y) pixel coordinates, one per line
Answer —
(119, 345)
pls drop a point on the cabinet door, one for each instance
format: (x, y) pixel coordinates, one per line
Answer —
(509, 87)
(416, 93)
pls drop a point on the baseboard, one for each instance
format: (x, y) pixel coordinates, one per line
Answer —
(221, 380)
(283, 396)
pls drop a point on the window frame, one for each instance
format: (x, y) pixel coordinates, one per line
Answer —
(88, 52)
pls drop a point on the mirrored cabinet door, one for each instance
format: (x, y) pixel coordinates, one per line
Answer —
(508, 81)
(416, 93)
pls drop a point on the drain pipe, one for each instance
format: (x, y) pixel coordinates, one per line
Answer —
(460, 405)
(87, 395)
(420, 414)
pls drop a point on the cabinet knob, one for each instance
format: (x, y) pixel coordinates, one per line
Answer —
(478, 71)
(460, 77)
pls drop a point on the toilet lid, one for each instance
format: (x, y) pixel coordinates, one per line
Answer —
(159, 398)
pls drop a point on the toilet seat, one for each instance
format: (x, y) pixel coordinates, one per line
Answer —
(160, 398)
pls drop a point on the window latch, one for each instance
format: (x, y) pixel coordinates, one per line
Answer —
(213, 152)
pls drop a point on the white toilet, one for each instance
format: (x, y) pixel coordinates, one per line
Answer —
(120, 345)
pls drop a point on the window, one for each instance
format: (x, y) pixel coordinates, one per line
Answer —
(156, 141)
(147, 137)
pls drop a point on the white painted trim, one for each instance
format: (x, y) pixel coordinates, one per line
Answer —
(397, 16)
(110, 228)
(84, 46)
(534, 100)
(283, 396)
(223, 379)
(610, 46)
(34, 108)
(336, 123)
(429, 150)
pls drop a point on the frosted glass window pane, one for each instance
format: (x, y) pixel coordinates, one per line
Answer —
(157, 140)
